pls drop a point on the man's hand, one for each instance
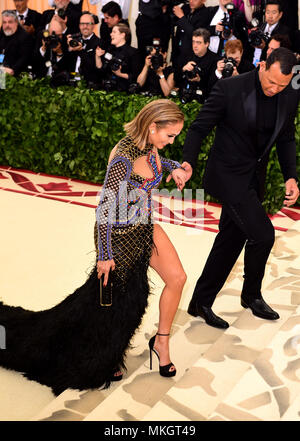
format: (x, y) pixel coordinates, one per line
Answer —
(220, 66)
(99, 52)
(9, 71)
(291, 192)
(189, 66)
(30, 29)
(178, 11)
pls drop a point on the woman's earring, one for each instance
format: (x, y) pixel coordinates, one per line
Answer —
(152, 131)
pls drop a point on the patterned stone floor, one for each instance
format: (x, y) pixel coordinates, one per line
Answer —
(249, 372)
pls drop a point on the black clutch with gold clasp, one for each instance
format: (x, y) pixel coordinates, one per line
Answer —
(106, 291)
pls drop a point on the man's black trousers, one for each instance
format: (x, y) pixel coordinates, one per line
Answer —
(245, 223)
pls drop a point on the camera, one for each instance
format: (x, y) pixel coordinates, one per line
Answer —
(110, 85)
(190, 93)
(227, 22)
(230, 64)
(76, 39)
(157, 60)
(61, 12)
(190, 74)
(257, 36)
(116, 63)
(51, 40)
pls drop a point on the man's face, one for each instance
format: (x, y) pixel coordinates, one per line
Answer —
(21, 5)
(236, 55)
(60, 4)
(195, 4)
(111, 21)
(225, 2)
(272, 14)
(9, 25)
(272, 46)
(86, 25)
(199, 47)
(272, 80)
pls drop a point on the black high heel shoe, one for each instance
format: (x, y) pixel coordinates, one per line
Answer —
(163, 370)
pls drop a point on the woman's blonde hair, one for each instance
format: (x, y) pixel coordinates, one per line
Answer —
(162, 112)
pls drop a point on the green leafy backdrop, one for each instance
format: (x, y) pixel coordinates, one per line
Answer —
(70, 132)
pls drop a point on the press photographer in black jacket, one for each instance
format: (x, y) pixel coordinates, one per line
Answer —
(82, 48)
(120, 65)
(189, 17)
(195, 77)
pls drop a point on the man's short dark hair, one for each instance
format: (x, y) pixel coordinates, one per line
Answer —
(202, 32)
(283, 40)
(284, 57)
(112, 9)
(275, 2)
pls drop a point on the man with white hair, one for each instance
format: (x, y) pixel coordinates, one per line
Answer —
(15, 44)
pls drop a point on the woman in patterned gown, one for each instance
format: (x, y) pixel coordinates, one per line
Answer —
(81, 343)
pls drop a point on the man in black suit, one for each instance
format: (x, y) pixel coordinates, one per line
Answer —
(189, 17)
(28, 18)
(64, 11)
(251, 112)
(82, 52)
(112, 16)
(15, 44)
(272, 26)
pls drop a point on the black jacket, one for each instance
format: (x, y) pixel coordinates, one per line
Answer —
(182, 41)
(87, 65)
(17, 50)
(233, 158)
(73, 17)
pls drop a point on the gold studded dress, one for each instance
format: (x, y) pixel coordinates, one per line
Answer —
(79, 343)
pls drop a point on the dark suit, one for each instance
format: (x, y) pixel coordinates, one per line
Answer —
(17, 49)
(33, 18)
(235, 173)
(87, 65)
(73, 16)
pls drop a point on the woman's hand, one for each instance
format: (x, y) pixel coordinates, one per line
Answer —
(103, 267)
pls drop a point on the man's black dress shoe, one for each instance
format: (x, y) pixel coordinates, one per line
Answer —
(260, 308)
(208, 315)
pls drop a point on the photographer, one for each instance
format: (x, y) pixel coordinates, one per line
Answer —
(196, 77)
(51, 54)
(153, 21)
(260, 36)
(82, 48)
(227, 23)
(112, 16)
(234, 63)
(278, 41)
(189, 17)
(15, 44)
(120, 64)
(156, 77)
(28, 18)
(64, 11)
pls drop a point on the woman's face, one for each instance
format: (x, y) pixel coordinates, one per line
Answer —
(160, 137)
(117, 39)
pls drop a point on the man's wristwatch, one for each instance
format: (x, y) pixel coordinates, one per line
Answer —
(161, 76)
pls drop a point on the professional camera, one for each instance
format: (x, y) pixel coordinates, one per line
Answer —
(230, 64)
(157, 60)
(190, 93)
(76, 39)
(134, 88)
(110, 85)
(51, 40)
(190, 74)
(61, 12)
(227, 22)
(116, 63)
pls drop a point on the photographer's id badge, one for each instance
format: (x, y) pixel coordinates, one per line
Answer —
(2, 72)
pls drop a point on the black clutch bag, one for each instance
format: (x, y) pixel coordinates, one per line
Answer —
(106, 291)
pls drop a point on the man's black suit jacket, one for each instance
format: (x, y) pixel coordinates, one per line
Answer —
(87, 65)
(17, 50)
(233, 159)
(73, 17)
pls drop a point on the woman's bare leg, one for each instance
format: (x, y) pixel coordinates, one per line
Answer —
(166, 263)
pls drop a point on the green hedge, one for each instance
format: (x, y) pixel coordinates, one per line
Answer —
(70, 132)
